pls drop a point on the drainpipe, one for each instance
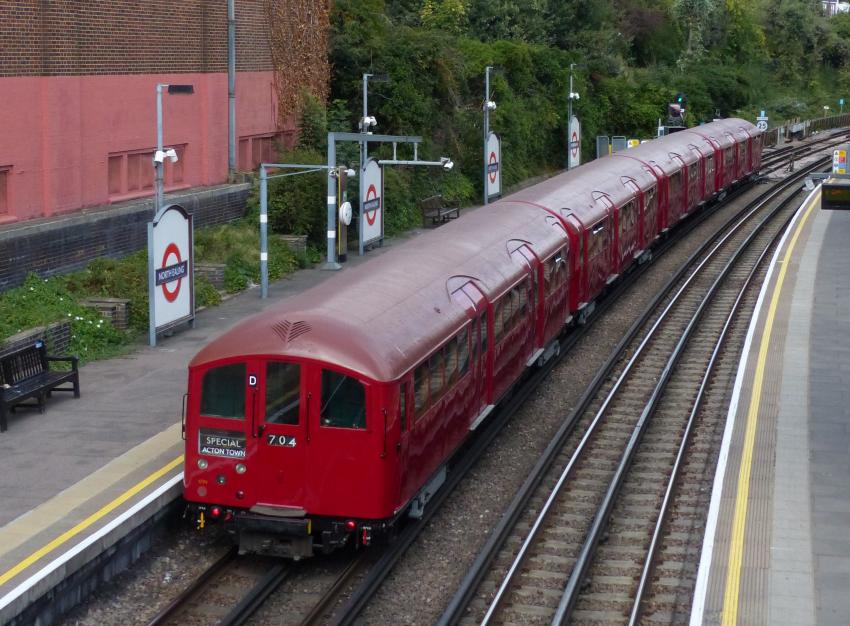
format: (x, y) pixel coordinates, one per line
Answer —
(231, 90)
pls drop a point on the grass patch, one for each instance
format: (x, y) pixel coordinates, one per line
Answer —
(39, 301)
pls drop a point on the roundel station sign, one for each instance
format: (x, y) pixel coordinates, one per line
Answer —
(575, 142)
(170, 264)
(494, 165)
(372, 202)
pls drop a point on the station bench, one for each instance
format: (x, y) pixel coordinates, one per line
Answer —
(438, 210)
(25, 374)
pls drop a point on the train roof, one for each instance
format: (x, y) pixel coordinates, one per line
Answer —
(381, 318)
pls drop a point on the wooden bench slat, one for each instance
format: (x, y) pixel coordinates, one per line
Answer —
(25, 374)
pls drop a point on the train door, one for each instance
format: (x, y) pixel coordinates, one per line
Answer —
(577, 234)
(699, 166)
(277, 400)
(345, 441)
(525, 256)
(735, 150)
(664, 221)
(467, 294)
(678, 190)
(599, 255)
(402, 448)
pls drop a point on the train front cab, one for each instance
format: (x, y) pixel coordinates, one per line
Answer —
(278, 449)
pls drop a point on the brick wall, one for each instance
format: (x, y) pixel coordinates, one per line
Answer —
(71, 37)
(49, 247)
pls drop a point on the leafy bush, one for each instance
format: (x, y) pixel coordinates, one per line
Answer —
(39, 302)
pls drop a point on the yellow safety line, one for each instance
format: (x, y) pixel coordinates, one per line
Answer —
(91, 519)
(736, 545)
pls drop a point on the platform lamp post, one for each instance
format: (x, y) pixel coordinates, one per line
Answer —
(572, 96)
(160, 155)
(825, 110)
(366, 122)
(489, 106)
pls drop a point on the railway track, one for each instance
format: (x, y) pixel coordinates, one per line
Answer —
(787, 155)
(239, 586)
(235, 587)
(576, 542)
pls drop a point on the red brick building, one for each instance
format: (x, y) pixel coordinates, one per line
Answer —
(78, 106)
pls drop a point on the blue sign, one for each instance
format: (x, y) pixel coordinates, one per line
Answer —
(172, 273)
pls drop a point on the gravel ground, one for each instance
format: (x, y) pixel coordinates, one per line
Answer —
(425, 579)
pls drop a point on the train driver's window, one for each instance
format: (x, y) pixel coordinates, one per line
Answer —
(223, 392)
(343, 401)
(283, 392)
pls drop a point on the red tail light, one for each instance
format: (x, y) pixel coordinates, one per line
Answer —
(215, 512)
(350, 526)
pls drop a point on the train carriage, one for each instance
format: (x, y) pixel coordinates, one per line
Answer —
(320, 421)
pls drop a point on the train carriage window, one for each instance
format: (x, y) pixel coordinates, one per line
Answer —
(283, 392)
(343, 401)
(498, 320)
(628, 217)
(483, 344)
(451, 362)
(402, 406)
(463, 351)
(676, 189)
(223, 392)
(420, 389)
(514, 298)
(598, 240)
(436, 367)
(523, 298)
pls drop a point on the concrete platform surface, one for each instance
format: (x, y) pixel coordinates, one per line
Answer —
(777, 545)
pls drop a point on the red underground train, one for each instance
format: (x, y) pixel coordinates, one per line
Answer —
(323, 420)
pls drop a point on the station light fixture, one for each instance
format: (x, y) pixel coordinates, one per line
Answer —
(447, 163)
(490, 105)
(574, 95)
(367, 121)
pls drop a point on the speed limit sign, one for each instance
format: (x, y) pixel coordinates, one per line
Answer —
(761, 122)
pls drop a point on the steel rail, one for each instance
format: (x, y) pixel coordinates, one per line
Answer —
(635, 613)
(258, 594)
(173, 607)
(499, 535)
(333, 593)
(600, 521)
(492, 429)
(473, 450)
(568, 469)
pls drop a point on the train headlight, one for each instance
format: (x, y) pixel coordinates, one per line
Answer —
(240, 468)
(220, 479)
(202, 464)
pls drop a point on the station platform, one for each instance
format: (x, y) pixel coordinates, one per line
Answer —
(79, 480)
(777, 543)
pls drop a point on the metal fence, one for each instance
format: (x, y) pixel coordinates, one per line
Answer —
(799, 129)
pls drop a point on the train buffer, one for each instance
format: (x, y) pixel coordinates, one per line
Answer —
(25, 374)
(438, 209)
